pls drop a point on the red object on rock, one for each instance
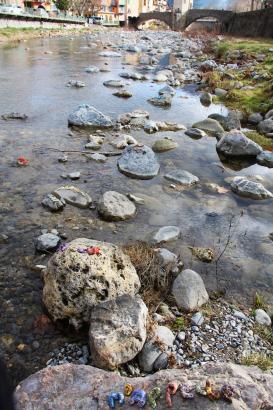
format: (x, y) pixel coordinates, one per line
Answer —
(22, 161)
(93, 250)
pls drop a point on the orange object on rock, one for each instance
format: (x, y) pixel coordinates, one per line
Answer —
(93, 250)
(170, 391)
(22, 161)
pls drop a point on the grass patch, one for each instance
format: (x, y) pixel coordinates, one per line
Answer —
(264, 332)
(155, 280)
(261, 360)
(264, 142)
(259, 301)
(179, 324)
(256, 100)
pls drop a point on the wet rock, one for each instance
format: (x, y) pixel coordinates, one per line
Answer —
(167, 90)
(129, 118)
(210, 126)
(233, 121)
(206, 99)
(95, 142)
(74, 175)
(164, 100)
(166, 234)
(47, 242)
(113, 83)
(151, 127)
(269, 114)
(265, 158)
(71, 385)
(97, 157)
(262, 317)
(14, 116)
(255, 118)
(236, 144)
(182, 177)
(124, 141)
(266, 126)
(53, 203)
(114, 206)
(74, 283)
(111, 54)
(117, 331)
(73, 196)
(203, 254)
(152, 349)
(138, 162)
(135, 199)
(189, 290)
(249, 189)
(164, 144)
(170, 126)
(123, 94)
(92, 70)
(195, 133)
(87, 116)
(208, 65)
(160, 78)
(76, 84)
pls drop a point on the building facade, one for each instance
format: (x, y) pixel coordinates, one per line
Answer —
(182, 6)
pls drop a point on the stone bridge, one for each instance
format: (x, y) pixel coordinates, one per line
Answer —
(177, 22)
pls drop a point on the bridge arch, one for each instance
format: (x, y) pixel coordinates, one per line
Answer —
(222, 16)
(165, 17)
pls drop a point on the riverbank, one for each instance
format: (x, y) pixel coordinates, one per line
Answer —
(15, 35)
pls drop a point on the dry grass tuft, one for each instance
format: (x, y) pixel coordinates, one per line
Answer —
(154, 278)
(261, 360)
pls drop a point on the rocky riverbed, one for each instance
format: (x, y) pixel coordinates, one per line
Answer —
(112, 159)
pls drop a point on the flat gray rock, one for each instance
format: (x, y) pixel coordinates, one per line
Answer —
(114, 206)
(110, 54)
(73, 196)
(164, 100)
(87, 116)
(181, 176)
(249, 189)
(53, 203)
(138, 162)
(166, 234)
(195, 133)
(113, 83)
(47, 242)
(210, 126)
(236, 144)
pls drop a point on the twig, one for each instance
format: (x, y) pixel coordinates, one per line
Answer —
(65, 151)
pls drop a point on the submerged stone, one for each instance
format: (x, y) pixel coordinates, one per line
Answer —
(138, 162)
(87, 116)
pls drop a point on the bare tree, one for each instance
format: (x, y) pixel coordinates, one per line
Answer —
(86, 7)
(244, 5)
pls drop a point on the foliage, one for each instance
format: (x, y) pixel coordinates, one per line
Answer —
(259, 302)
(63, 4)
(179, 324)
(86, 7)
(261, 360)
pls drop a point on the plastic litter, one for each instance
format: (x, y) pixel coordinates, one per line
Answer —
(22, 161)
(153, 395)
(115, 397)
(138, 397)
(170, 391)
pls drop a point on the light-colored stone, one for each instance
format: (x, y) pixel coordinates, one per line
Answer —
(47, 242)
(138, 162)
(164, 100)
(87, 116)
(53, 203)
(266, 126)
(236, 144)
(73, 387)
(166, 257)
(75, 281)
(265, 158)
(164, 144)
(249, 189)
(210, 126)
(113, 83)
(73, 196)
(189, 290)
(166, 234)
(117, 331)
(114, 206)
(195, 133)
(262, 317)
(180, 176)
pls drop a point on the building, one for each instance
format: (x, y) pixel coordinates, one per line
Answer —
(182, 6)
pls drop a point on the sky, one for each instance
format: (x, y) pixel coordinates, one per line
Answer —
(220, 4)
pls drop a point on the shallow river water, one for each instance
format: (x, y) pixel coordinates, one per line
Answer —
(34, 83)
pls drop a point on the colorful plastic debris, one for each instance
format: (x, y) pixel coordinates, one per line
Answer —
(93, 250)
(62, 247)
(138, 397)
(115, 397)
(153, 396)
(128, 389)
(170, 391)
(22, 161)
(227, 393)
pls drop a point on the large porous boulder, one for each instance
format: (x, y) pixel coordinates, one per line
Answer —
(249, 189)
(210, 126)
(162, 339)
(87, 116)
(84, 273)
(266, 126)
(138, 162)
(114, 206)
(189, 290)
(117, 331)
(236, 144)
(77, 387)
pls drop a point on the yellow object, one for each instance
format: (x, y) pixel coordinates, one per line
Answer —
(128, 389)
